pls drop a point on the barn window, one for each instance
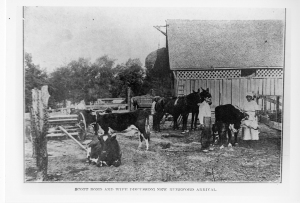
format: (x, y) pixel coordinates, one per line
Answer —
(248, 72)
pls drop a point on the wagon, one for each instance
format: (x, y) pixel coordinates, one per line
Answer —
(75, 124)
(69, 122)
(142, 102)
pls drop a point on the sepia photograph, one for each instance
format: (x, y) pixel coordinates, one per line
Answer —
(153, 95)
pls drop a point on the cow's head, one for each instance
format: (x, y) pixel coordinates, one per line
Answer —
(90, 116)
(111, 153)
(240, 115)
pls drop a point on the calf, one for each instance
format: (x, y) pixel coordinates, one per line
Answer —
(87, 117)
(121, 121)
(228, 121)
(104, 151)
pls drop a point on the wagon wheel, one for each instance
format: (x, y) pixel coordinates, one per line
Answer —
(82, 126)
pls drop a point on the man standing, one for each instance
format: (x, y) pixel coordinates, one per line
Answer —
(205, 124)
(154, 116)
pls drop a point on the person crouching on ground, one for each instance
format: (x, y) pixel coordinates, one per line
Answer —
(205, 124)
(250, 125)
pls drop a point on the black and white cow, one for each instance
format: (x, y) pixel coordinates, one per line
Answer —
(87, 117)
(104, 150)
(228, 121)
(121, 121)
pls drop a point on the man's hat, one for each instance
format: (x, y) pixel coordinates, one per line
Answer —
(249, 94)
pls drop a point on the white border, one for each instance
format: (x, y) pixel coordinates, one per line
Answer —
(17, 191)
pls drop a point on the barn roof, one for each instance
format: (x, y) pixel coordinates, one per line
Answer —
(203, 44)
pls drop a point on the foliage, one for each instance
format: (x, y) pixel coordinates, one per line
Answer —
(34, 78)
(130, 74)
(100, 78)
(61, 83)
(158, 73)
(82, 80)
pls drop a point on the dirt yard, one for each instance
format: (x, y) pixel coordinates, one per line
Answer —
(250, 161)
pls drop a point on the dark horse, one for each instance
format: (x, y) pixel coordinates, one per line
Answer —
(182, 106)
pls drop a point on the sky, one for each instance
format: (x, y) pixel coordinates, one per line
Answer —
(57, 35)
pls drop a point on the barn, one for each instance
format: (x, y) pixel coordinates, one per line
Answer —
(228, 57)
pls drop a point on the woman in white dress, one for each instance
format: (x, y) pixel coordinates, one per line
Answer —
(250, 125)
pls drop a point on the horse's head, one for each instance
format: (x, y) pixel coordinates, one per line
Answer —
(156, 98)
(205, 94)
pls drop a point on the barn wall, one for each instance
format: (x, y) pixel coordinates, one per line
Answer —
(228, 87)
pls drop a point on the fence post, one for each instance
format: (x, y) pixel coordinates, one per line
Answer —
(277, 107)
(39, 125)
(128, 99)
(265, 104)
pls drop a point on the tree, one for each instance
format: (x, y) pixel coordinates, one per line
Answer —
(61, 82)
(101, 76)
(83, 80)
(34, 78)
(158, 74)
(130, 74)
(79, 78)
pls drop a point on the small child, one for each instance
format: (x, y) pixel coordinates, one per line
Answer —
(205, 123)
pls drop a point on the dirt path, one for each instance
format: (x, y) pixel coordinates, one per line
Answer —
(257, 161)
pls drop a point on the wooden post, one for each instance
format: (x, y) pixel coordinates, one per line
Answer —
(128, 98)
(277, 107)
(39, 125)
(33, 133)
(265, 104)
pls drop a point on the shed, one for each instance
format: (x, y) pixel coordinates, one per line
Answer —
(230, 57)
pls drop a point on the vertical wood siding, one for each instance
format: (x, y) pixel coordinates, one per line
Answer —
(233, 91)
(236, 92)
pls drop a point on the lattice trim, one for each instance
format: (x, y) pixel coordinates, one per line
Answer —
(221, 74)
(269, 73)
(215, 74)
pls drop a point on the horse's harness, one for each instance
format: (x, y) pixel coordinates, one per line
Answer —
(179, 97)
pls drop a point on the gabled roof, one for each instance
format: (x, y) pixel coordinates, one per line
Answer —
(204, 44)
